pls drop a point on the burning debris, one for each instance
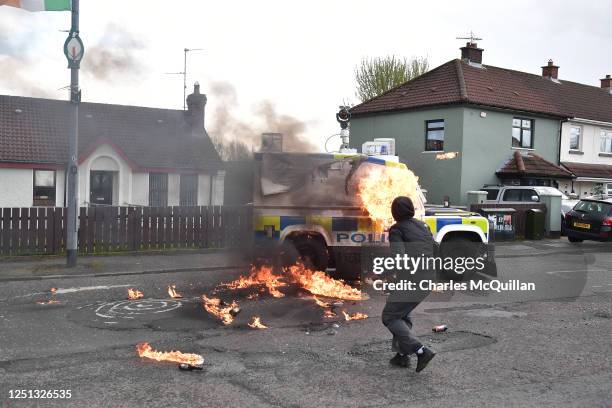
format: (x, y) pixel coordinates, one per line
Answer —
(265, 280)
(146, 351)
(377, 187)
(354, 316)
(321, 303)
(447, 156)
(226, 312)
(173, 293)
(259, 277)
(48, 302)
(134, 294)
(318, 283)
(329, 313)
(256, 323)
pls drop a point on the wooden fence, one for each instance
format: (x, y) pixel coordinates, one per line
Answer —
(41, 230)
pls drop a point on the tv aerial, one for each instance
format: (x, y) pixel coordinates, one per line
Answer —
(471, 37)
(184, 73)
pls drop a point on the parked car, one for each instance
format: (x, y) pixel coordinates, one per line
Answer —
(498, 194)
(590, 219)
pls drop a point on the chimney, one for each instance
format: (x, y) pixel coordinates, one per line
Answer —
(195, 108)
(550, 71)
(606, 83)
(471, 53)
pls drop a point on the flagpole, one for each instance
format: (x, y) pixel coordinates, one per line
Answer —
(72, 169)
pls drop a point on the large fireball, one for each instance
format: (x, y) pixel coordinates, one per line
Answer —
(378, 186)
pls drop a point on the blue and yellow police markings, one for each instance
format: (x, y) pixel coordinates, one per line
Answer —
(352, 231)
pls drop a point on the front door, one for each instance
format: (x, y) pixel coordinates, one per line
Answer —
(101, 188)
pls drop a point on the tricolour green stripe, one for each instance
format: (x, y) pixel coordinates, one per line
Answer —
(58, 5)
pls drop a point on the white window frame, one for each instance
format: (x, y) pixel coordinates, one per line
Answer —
(579, 149)
(605, 133)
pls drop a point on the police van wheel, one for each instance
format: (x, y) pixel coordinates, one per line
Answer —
(458, 247)
(309, 250)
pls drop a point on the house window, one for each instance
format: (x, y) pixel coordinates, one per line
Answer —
(434, 135)
(44, 188)
(522, 133)
(575, 136)
(158, 189)
(189, 189)
(606, 141)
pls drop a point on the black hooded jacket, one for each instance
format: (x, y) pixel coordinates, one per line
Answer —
(414, 234)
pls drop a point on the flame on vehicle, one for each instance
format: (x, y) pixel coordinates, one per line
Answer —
(378, 186)
(146, 351)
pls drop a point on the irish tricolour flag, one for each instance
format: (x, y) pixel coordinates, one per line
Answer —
(39, 5)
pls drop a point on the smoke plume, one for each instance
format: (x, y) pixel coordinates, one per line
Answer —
(114, 57)
(227, 127)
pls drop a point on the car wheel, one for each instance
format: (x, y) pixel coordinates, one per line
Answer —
(458, 247)
(310, 250)
(573, 239)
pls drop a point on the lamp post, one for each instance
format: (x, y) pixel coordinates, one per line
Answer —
(74, 50)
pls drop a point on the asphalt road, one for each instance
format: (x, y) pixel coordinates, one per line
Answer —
(550, 347)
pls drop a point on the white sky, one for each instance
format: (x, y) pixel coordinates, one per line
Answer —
(299, 55)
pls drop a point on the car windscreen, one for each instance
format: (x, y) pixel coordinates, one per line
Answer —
(594, 207)
(491, 193)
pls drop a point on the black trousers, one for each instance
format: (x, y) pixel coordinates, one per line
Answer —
(396, 317)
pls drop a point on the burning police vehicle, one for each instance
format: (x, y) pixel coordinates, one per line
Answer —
(326, 208)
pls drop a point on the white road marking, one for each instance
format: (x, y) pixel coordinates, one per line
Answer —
(73, 290)
(61, 291)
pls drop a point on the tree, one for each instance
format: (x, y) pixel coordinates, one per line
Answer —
(377, 75)
(598, 189)
(233, 150)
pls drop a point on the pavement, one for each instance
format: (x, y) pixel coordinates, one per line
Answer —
(550, 347)
(50, 267)
(136, 263)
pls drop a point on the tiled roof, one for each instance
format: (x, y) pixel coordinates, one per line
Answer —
(589, 170)
(531, 165)
(34, 130)
(459, 82)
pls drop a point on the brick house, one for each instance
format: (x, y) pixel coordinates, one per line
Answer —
(488, 115)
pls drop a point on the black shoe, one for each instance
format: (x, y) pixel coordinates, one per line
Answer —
(424, 358)
(400, 361)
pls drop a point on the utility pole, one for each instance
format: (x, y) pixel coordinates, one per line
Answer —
(73, 49)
